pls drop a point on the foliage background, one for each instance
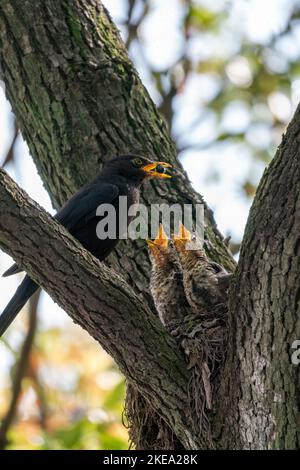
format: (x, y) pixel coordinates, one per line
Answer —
(226, 76)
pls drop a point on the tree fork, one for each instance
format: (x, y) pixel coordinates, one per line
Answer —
(78, 100)
(101, 302)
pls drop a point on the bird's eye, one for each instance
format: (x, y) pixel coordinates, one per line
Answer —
(137, 162)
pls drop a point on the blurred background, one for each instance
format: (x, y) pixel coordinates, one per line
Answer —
(226, 77)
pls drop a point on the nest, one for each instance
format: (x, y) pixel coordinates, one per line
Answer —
(203, 338)
(147, 430)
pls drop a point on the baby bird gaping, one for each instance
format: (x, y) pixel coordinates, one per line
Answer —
(166, 283)
(205, 282)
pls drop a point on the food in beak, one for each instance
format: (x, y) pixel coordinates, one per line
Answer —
(157, 170)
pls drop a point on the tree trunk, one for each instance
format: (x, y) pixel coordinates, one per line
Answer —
(78, 100)
(264, 385)
(101, 302)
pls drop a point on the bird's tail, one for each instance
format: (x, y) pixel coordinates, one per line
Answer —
(25, 290)
(14, 269)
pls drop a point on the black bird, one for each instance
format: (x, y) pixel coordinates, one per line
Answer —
(121, 176)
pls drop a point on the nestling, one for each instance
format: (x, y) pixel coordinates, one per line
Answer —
(166, 283)
(205, 282)
(121, 176)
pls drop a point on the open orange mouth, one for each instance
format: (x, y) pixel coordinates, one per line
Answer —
(161, 240)
(157, 170)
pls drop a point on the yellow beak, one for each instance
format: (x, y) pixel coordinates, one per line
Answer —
(157, 170)
(183, 234)
(161, 240)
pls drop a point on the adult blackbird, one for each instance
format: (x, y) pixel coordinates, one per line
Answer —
(166, 283)
(205, 282)
(121, 176)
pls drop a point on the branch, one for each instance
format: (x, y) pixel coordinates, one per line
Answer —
(100, 301)
(79, 100)
(132, 27)
(264, 384)
(21, 369)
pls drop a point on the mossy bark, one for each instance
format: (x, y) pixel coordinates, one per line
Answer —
(78, 100)
(261, 390)
(98, 299)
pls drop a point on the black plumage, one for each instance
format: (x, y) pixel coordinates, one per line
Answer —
(121, 176)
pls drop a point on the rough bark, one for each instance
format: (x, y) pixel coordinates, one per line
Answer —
(264, 384)
(101, 302)
(78, 100)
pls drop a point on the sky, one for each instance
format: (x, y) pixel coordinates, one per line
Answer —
(254, 19)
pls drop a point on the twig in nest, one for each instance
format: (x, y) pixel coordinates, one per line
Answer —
(147, 430)
(203, 339)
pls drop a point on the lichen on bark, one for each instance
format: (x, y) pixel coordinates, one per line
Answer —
(78, 100)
